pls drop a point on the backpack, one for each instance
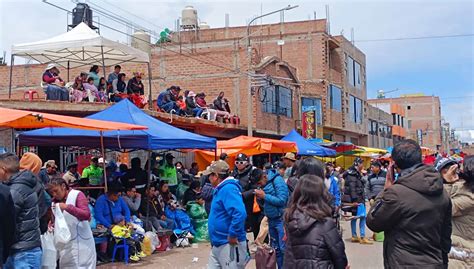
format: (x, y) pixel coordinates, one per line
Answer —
(159, 100)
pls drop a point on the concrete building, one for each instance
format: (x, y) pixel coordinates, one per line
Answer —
(422, 117)
(379, 128)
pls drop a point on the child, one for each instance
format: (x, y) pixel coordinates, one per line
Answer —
(121, 231)
(91, 90)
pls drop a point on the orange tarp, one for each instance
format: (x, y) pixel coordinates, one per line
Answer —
(22, 119)
(247, 145)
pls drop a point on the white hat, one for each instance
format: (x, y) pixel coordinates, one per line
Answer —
(51, 66)
(191, 94)
(101, 160)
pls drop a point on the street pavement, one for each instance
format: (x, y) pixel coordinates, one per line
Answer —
(360, 256)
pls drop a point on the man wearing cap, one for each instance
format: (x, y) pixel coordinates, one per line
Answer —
(242, 172)
(226, 220)
(169, 173)
(354, 194)
(289, 160)
(93, 172)
(55, 85)
(449, 169)
(47, 172)
(71, 176)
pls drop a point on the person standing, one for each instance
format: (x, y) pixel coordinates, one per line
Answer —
(462, 197)
(79, 252)
(136, 177)
(226, 220)
(169, 173)
(414, 212)
(330, 180)
(375, 181)
(354, 195)
(7, 222)
(26, 249)
(94, 174)
(275, 197)
(289, 160)
(313, 239)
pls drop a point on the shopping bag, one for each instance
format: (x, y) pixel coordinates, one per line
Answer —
(49, 256)
(361, 211)
(265, 258)
(62, 235)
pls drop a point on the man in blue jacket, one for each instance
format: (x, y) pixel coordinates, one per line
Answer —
(226, 220)
(275, 196)
(333, 187)
(110, 205)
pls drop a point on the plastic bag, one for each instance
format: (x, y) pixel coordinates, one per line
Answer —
(49, 256)
(196, 211)
(155, 242)
(147, 246)
(62, 235)
(202, 231)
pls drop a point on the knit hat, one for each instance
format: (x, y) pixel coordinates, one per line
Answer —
(31, 162)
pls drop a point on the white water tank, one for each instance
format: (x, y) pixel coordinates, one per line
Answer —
(203, 25)
(189, 18)
(141, 40)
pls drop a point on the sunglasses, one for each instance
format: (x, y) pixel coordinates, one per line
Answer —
(240, 162)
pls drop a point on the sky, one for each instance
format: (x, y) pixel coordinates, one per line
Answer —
(433, 66)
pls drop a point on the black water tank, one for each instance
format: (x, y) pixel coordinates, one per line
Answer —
(82, 13)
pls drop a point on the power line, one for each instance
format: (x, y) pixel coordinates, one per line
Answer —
(414, 38)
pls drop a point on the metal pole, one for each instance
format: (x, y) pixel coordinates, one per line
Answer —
(103, 60)
(249, 55)
(12, 59)
(102, 149)
(150, 98)
(148, 186)
(68, 67)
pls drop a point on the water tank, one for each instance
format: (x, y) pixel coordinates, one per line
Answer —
(141, 40)
(203, 26)
(189, 18)
(82, 13)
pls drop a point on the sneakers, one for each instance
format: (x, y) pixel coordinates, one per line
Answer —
(135, 258)
(141, 254)
(355, 239)
(365, 241)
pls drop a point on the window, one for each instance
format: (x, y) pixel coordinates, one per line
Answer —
(409, 124)
(408, 107)
(353, 72)
(402, 121)
(308, 104)
(373, 127)
(335, 96)
(278, 101)
(394, 116)
(355, 109)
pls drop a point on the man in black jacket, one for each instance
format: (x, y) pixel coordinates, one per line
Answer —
(354, 194)
(242, 172)
(7, 222)
(414, 211)
(26, 249)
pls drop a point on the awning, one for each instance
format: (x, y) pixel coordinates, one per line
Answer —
(306, 148)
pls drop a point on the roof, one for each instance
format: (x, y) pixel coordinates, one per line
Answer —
(81, 46)
(159, 135)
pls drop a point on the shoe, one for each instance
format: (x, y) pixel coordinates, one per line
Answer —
(189, 236)
(365, 241)
(135, 258)
(141, 254)
(355, 239)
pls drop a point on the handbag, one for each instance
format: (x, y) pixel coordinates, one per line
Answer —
(62, 235)
(265, 257)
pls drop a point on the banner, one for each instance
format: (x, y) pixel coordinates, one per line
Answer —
(309, 124)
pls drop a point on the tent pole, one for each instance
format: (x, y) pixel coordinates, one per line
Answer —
(103, 60)
(68, 67)
(215, 155)
(11, 74)
(102, 149)
(150, 98)
(148, 186)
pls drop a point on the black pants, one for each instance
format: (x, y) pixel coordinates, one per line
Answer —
(253, 223)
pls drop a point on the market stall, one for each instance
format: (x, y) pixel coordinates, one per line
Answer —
(306, 148)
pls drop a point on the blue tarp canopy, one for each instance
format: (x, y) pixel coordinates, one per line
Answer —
(306, 148)
(158, 136)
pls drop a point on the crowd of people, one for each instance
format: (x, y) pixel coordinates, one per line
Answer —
(90, 87)
(294, 205)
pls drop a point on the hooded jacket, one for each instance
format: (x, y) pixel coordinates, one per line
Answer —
(276, 195)
(22, 188)
(415, 214)
(227, 217)
(353, 186)
(313, 244)
(247, 186)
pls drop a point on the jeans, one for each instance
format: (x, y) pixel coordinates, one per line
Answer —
(170, 106)
(227, 256)
(197, 111)
(159, 224)
(54, 92)
(276, 231)
(28, 259)
(361, 227)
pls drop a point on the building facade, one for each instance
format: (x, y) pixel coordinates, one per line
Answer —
(379, 128)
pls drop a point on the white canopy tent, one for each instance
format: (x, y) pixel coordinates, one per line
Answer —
(79, 47)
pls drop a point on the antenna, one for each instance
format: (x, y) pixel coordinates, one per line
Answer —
(352, 36)
(328, 20)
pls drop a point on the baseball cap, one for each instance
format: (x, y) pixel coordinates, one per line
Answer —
(217, 167)
(443, 162)
(290, 156)
(242, 157)
(169, 155)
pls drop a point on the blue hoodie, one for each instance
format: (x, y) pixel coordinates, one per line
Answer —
(276, 195)
(103, 208)
(227, 217)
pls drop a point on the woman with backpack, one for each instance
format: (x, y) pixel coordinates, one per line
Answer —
(313, 240)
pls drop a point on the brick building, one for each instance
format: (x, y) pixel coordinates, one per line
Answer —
(422, 117)
(303, 65)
